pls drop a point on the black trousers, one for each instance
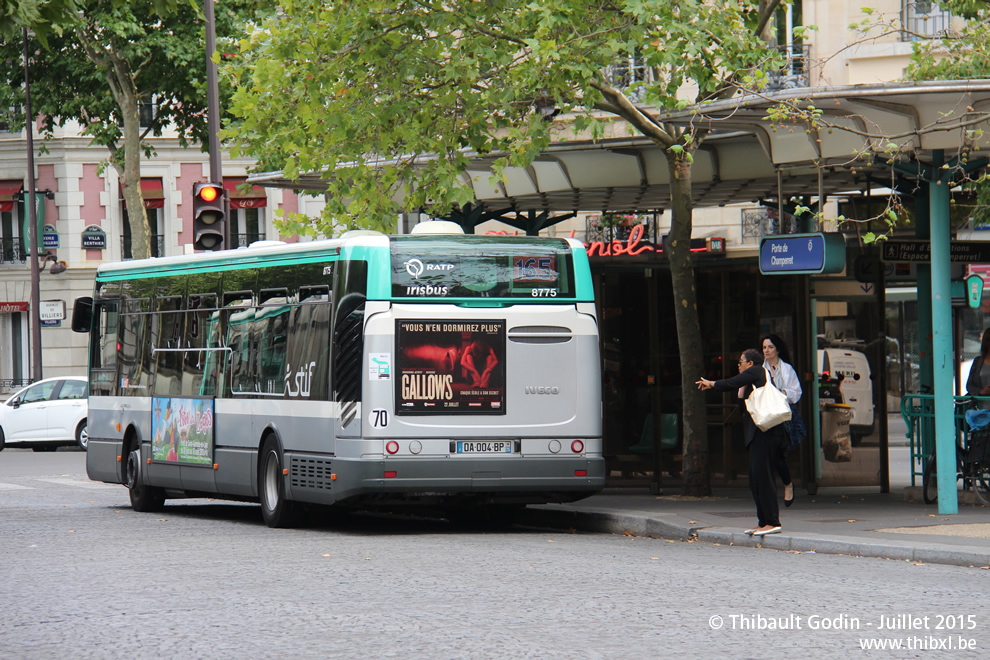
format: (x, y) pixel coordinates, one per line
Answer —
(763, 452)
(780, 462)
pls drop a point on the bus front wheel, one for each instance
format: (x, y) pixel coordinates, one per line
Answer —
(144, 498)
(275, 508)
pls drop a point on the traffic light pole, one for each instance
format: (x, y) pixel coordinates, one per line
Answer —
(36, 372)
(213, 104)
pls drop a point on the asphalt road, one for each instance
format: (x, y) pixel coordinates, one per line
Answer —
(83, 576)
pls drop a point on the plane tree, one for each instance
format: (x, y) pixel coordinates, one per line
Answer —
(95, 62)
(389, 99)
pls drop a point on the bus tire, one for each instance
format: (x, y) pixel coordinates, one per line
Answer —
(3, 441)
(144, 498)
(276, 509)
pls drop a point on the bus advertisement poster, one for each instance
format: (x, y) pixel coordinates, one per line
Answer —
(182, 430)
(450, 367)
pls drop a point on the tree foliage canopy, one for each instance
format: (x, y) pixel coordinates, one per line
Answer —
(360, 89)
(81, 73)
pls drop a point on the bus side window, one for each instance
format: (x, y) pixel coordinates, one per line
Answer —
(309, 340)
(133, 325)
(168, 357)
(103, 356)
(238, 321)
(199, 312)
(271, 327)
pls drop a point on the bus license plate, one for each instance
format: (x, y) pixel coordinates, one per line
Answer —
(495, 447)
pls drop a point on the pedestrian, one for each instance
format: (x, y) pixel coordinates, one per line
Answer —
(777, 359)
(978, 382)
(762, 445)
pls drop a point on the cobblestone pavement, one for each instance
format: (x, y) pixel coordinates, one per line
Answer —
(83, 576)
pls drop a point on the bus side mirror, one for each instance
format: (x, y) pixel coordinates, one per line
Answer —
(82, 314)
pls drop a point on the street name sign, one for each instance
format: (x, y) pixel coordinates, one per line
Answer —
(798, 254)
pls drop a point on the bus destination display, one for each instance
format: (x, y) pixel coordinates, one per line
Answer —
(450, 367)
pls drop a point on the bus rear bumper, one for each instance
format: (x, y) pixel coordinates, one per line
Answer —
(521, 480)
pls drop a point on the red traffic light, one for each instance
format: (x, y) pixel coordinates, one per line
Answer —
(209, 193)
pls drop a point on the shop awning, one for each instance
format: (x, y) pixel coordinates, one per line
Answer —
(151, 191)
(7, 191)
(252, 199)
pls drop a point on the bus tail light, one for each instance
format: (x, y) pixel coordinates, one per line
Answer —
(392, 447)
(580, 473)
(577, 446)
(390, 474)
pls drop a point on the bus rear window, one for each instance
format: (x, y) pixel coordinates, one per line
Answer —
(481, 267)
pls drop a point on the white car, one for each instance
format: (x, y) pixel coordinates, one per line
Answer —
(46, 414)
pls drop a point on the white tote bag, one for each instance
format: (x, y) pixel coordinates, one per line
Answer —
(767, 405)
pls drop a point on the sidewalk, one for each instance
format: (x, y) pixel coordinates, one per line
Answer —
(864, 525)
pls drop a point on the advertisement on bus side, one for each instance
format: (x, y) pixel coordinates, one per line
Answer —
(182, 430)
(450, 367)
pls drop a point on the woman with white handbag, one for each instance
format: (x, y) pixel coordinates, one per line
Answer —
(765, 409)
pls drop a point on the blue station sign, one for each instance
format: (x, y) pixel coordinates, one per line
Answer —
(802, 254)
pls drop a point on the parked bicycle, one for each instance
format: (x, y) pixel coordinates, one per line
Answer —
(972, 466)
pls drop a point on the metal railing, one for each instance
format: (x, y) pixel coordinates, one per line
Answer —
(244, 240)
(157, 246)
(918, 411)
(796, 71)
(923, 20)
(763, 221)
(633, 69)
(606, 232)
(12, 251)
(11, 384)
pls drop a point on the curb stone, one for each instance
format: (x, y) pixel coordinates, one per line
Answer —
(610, 522)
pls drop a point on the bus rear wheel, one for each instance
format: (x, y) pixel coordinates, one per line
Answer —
(276, 509)
(144, 498)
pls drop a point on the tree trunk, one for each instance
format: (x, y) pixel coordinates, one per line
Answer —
(695, 468)
(129, 170)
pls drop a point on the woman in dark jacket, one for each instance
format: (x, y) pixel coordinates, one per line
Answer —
(762, 445)
(978, 382)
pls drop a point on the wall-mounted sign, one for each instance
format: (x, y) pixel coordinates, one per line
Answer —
(49, 237)
(13, 307)
(51, 310)
(94, 238)
(797, 254)
(966, 252)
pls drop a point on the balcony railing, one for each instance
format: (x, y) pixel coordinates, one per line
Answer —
(244, 240)
(12, 251)
(621, 228)
(923, 20)
(157, 246)
(795, 72)
(760, 222)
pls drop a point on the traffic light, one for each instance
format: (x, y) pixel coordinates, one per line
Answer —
(208, 216)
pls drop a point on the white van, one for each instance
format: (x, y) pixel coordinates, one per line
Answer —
(853, 371)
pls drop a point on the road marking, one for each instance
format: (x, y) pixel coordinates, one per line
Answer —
(78, 483)
(4, 486)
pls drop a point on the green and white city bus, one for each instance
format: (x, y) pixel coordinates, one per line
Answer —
(438, 369)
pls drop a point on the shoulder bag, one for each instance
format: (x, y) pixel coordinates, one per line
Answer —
(767, 405)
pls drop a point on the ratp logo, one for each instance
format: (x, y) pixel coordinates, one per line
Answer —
(414, 267)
